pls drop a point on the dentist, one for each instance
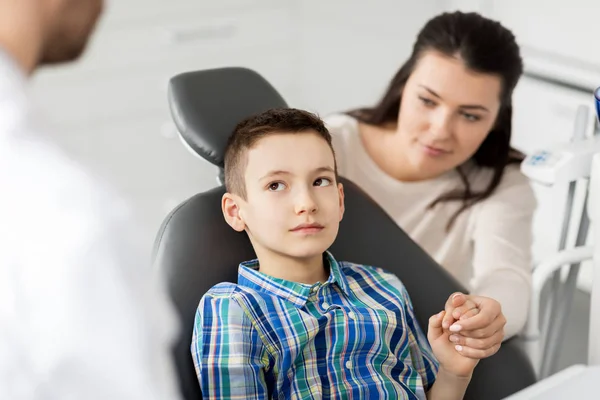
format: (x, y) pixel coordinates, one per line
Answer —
(79, 318)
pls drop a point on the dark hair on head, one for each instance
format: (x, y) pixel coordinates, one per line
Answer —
(248, 132)
(484, 46)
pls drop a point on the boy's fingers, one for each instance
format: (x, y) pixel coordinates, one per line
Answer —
(448, 319)
(435, 326)
(455, 300)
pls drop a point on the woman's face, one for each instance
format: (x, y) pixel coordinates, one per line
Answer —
(445, 114)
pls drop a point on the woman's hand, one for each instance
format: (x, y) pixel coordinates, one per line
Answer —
(476, 324)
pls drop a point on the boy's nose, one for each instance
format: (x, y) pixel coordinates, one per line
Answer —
(305, 203)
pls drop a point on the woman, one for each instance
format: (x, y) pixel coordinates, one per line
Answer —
(435, 153)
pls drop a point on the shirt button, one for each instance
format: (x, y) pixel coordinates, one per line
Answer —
(348, 364)
(352, 315)
(325, 305)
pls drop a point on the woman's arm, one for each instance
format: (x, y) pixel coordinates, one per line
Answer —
(502, 258)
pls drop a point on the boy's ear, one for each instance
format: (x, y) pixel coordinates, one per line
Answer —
(230, 205)
(342, 207)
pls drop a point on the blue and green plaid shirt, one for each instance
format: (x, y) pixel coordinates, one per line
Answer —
(352, 337)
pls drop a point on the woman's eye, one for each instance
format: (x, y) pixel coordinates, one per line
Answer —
(427, 102)
(276, 186)
(471, 117)
(323, 182)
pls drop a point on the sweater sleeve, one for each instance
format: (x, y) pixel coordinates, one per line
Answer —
(502, 257)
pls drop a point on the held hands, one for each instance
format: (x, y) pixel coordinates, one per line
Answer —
(469, 329)
(476, 323)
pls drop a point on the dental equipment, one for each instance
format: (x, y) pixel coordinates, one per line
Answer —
(578, 381)
(561, 164)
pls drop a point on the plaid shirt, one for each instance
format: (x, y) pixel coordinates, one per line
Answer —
(353, 337)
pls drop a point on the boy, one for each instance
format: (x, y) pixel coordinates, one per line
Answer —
(299, 323)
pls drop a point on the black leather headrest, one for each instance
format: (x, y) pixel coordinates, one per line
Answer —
(207, 105)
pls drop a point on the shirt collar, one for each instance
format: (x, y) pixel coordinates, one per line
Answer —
(295, 292)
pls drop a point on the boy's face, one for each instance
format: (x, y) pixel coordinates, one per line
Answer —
(293, 205)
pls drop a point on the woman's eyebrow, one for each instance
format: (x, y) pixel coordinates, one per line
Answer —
(467, 106)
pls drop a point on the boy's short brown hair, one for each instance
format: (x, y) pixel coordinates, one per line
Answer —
(248, 132)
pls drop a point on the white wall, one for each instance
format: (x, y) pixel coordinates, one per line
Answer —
(352, 48)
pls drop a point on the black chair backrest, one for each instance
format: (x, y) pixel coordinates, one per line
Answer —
(195, 249)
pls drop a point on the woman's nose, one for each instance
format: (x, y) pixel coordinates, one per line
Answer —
(441, 125)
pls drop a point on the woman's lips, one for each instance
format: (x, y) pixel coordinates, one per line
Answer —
(433, 151)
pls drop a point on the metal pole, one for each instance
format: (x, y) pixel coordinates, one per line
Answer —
(553, 296)
(556, 335)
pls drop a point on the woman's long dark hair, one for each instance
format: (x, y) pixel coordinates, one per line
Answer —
(484, 46)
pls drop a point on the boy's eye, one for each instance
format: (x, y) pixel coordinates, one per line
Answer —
(276, 186)
(323, 182)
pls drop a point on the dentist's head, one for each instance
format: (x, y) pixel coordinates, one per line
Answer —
(38, 32)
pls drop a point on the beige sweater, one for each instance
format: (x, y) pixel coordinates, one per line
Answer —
(489, 247)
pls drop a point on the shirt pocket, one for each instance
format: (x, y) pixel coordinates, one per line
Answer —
(379, 330)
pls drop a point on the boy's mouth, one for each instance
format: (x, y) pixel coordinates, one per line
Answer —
(308, 228)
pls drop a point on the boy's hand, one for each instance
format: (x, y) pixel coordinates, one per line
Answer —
(476, 323)
(451, 360)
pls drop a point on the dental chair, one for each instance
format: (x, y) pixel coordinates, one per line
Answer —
(195, 248)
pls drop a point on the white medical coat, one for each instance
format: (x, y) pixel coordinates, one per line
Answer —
(80, 316)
